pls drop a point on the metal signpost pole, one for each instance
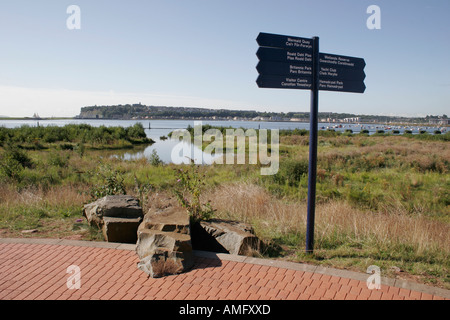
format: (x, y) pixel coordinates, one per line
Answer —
(313, 128)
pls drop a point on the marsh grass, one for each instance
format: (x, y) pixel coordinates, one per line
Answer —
(344, 236)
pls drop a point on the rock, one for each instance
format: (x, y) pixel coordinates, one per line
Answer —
(121, 230)
(29, 231)
(396, 269)
(170, 219)
(117, 206)
(164, 242)
(225, 236)
(118, 216)
(164, 253)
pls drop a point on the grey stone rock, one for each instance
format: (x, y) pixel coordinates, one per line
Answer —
(118, 216)
(164, 243)
(232, 237)
(122, 230)
(117, 206)
(170, 219)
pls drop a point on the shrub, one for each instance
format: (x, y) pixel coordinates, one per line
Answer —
(291, 172)
(9, 167)
(13, 161)
(154, 159)
(188, 192)
(110, 182)
(58, 160)
(136, 132)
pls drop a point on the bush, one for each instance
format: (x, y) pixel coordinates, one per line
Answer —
(154, 159)
(291, 172)
(58, 159)
(110, 182)
(188, 192)
(10, 168)
(136, 132)
(328, 133)
(12, 163)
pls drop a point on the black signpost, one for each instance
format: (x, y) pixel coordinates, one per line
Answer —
(295, 63)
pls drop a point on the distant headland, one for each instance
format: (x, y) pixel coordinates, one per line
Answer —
(143, 112)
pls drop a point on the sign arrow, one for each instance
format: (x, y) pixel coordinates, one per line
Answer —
(281, 55)
(327, 59)
(280, 41)
(287, 82)
(284, 82)
(342, 86)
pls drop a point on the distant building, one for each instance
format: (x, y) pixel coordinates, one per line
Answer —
(260, 118)
(351, 120)
(439, 121)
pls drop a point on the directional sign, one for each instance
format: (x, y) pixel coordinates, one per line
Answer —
(295, 63)
(327, 59)
(285, 57)
(343, 86)
(284, 82)
(281, 55)
(305, 69)
(292, 82)
(279, 41)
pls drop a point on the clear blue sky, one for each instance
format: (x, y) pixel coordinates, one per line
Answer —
(202, 53)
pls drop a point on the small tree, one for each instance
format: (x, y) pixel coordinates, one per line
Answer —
(188, 192)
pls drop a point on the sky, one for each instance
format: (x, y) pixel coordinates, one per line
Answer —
(202, 53)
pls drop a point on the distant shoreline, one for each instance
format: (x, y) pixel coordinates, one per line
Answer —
(206, 119)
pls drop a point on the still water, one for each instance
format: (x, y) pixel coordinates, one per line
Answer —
(155, 129)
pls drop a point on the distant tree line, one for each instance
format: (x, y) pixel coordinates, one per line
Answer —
(139, 111)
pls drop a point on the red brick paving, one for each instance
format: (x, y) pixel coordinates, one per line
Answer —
(39, 272)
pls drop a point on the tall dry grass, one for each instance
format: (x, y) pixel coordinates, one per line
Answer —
(33, 208)
(66, 195)
(336, 221)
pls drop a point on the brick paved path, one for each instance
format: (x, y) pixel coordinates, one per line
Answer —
(37, 270)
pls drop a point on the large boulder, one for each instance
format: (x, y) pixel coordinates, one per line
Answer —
(225, 236)
(169, 219)
(164, 242)
(164, 253)
(119, 217)
(121, 230)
